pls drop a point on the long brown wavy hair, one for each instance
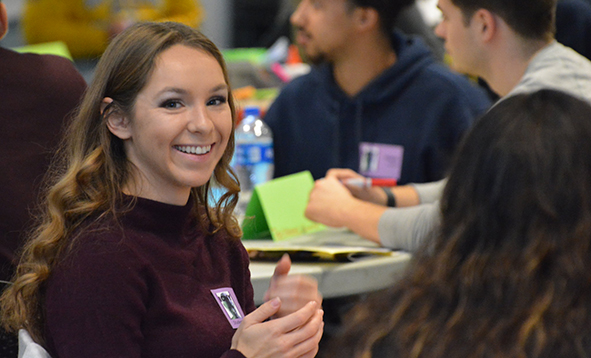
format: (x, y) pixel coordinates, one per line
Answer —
(509, 274)
(91, 166)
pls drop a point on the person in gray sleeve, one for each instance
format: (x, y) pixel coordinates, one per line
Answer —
(511, 46)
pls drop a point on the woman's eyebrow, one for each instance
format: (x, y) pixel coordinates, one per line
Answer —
(173, 90)
(219, 87)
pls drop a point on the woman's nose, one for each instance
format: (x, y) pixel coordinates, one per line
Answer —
(199, 121)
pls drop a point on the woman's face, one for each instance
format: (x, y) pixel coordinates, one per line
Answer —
(180, 125)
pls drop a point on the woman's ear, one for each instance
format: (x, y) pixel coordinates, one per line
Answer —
(117, 122)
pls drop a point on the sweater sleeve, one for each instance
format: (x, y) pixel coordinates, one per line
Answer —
(430, 192)
(97, 296)
(232, 353)
(249, 305)
(408, 228)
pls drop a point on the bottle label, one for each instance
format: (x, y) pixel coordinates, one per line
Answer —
(250, 154)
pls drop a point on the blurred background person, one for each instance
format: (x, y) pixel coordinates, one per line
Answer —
(376, 100)
(87, 26)
(252, 28)
(37, 92)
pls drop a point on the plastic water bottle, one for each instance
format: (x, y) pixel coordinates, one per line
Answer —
(253, 159)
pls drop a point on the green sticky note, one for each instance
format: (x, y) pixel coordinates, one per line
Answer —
(58, 48)
(276, 209)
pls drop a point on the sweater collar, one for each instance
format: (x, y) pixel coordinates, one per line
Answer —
(156, 217)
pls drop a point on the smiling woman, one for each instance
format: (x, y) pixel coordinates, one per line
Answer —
(129, 255)
(179, 128)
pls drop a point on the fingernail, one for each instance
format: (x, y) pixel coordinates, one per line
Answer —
(275, 302)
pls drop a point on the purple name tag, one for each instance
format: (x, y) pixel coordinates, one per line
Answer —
(380, 160)
(229, 304)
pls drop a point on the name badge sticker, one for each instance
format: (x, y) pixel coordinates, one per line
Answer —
(380, 160)
(229, 304)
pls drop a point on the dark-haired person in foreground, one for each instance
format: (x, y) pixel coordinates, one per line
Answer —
(509, 271)
(511, 45)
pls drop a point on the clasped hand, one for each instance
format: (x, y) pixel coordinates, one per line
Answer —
(296, 327)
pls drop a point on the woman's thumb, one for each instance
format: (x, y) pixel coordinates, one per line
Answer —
(266, 310)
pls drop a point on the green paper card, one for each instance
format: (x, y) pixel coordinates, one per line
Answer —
(276, 209)
(58, 48)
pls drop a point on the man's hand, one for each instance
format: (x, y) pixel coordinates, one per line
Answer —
(372, 195)
(330, 203)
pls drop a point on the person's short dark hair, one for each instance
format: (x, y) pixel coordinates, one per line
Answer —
(532, 19)
(388, 10)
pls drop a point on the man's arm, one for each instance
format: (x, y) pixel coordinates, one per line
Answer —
(408, 228)
(398, 228)
(363, 211)
(415, 194)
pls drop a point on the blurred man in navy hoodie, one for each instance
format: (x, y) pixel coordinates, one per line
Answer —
(376, 101)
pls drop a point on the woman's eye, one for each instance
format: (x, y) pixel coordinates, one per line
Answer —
(171, 104)
(216, 101)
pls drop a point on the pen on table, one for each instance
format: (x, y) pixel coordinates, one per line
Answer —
(369, 182)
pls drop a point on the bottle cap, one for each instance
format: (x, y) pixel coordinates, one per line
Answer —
(252, 111)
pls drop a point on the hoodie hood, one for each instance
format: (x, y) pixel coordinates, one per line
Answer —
(413, 56)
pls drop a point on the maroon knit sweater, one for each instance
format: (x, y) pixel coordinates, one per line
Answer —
(36, 93)
(143, 289)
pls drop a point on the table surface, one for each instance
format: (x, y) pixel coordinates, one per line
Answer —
(339, 278)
